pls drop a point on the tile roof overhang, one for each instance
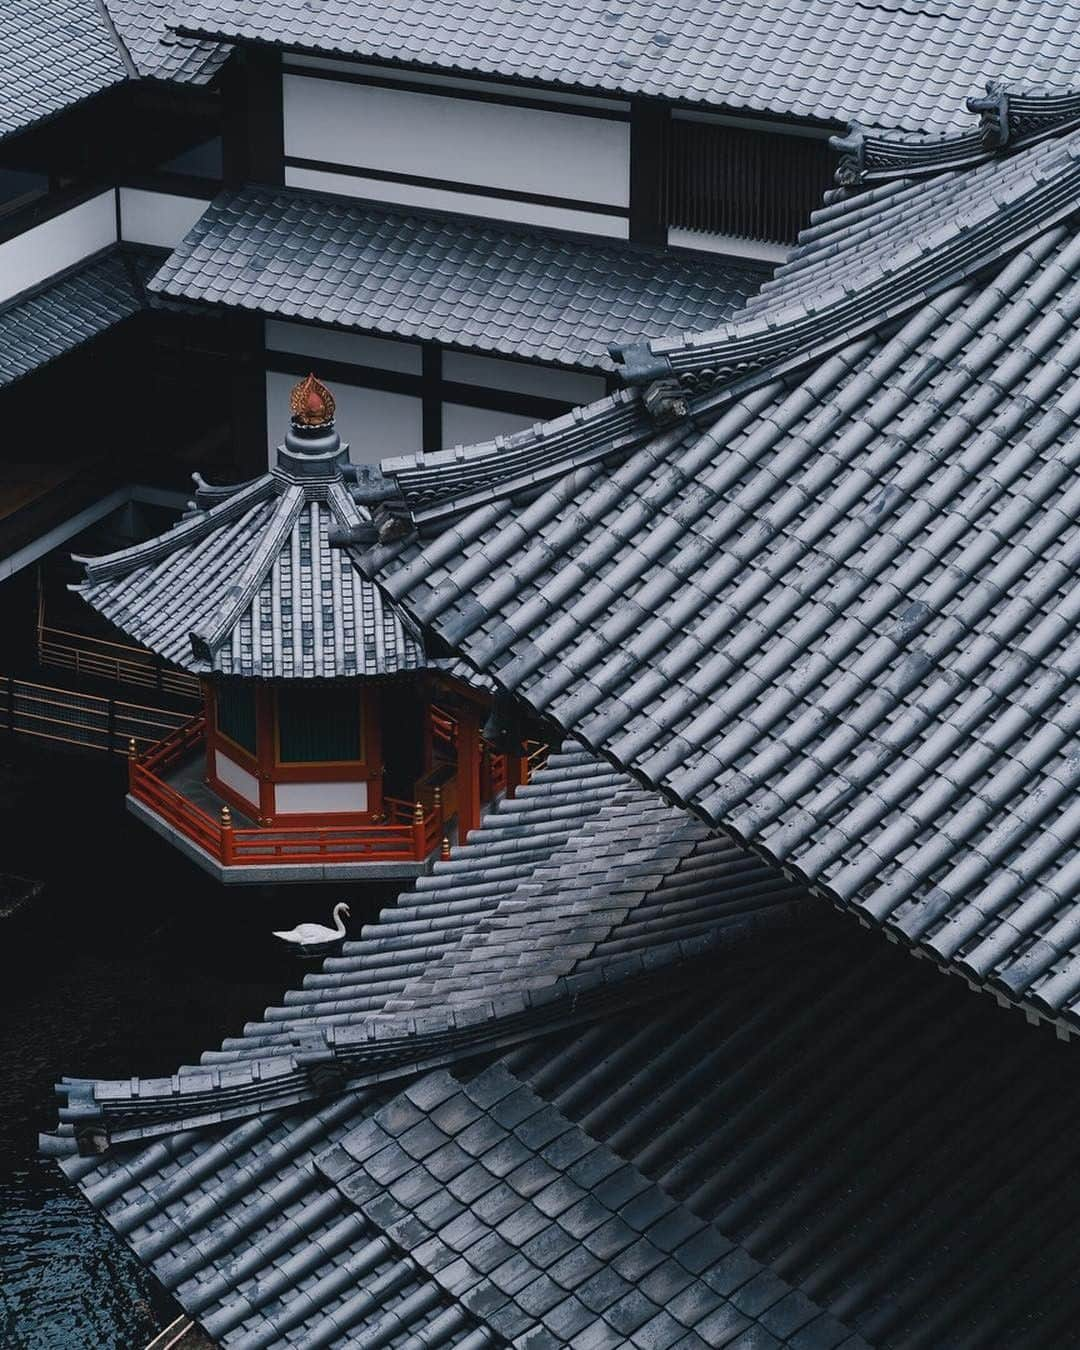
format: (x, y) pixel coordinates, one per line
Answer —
(46, 323)
(818, 1107)
(57, 53)
(247, 584)
(833, 609)
(239, 1200)
(477, 285)
(582, 894)
(887, 64)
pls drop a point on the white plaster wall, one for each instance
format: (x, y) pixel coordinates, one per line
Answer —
(34, 256)
(465, 426)
(469, 203)
(243, 783)
(160, 219)
(520, 377)
(306, 798)
(351, 348)
(467, 141)
(376, 424)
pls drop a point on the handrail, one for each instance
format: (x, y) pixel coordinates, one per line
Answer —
(412, 835)
(71, 717)
(123, 662)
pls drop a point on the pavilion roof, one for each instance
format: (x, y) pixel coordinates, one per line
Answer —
(247, 584)
(889, 65)
(825, 595)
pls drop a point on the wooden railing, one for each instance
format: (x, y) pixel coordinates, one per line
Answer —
(410, 833)
(73, 718)
(119, 661)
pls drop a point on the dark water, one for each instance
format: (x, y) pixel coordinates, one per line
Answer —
(130, 961)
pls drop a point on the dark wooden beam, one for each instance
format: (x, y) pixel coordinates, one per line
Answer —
(253, 133)
(648, 127)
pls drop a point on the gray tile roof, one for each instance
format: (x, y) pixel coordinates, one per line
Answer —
(888, 1144)
(888, 64)
(583, 894)
(487, 287)
(848, 281)
(46, 323)
(54, 54)
(157, 51)
(235, 1218)
(58, 52)
(547, 1237)
(247, 584)
(837, 616)
(894, 1153)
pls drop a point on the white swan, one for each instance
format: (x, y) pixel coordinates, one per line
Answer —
(317, 934)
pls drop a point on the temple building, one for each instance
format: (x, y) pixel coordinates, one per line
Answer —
(330, 744)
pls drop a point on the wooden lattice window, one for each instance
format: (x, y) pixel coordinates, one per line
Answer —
(756, 184)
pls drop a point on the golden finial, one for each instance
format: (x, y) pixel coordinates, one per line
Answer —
(226, 818)
(444, 849)
(311, 403)
(133, 749)
(418, 813)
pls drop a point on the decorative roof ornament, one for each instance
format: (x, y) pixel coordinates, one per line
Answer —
(311, 403)
(993, 110)
(1008, 119)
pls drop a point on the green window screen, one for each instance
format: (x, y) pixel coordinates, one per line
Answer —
(236, 713)
(319, 725)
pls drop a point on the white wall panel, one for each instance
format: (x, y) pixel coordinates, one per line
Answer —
(469, 203)
(376, 424)
(160, 219)
(32, 257)
(350, 348)
(234, 776)
(466, 426)
(522, 377)
(462, 140)
(305, 798)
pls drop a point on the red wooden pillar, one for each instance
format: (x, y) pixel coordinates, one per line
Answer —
(468, 772)
(266, 750)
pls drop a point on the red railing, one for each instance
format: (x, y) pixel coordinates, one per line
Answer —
(409, 834)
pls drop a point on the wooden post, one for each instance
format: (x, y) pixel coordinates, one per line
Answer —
(468, 770)
(227, 853)
(419, 833)
(487, 790)
(517, 771)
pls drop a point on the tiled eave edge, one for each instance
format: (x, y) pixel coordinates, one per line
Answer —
(100, 1113)
(764, 347)
(1007, 121)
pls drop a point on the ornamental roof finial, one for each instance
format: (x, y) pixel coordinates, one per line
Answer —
(311, 403)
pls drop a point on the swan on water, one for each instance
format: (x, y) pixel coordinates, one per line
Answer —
(317, 934)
